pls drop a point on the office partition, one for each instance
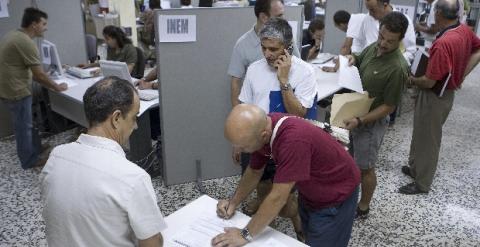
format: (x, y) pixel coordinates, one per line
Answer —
(195, 92)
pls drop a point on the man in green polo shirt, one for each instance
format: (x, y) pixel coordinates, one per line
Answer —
(19, 59)
(383, 71)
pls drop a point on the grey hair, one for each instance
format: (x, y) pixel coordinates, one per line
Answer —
(277, 28)
(448, 9)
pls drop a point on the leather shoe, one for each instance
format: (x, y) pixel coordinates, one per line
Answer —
(411, 189)
(406, 171)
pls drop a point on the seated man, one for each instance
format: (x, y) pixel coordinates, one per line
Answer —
(94, 196)
(316, 30)
(308, 158)
(351, 24)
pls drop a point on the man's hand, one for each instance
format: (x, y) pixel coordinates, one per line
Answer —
(236, 156)
(351, 60)
(230, 238)
(142, 84)
(334, 68)
(61, 87)
(226, 209)
(351, 123)
(283, 64)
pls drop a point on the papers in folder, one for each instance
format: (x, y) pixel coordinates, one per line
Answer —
(348, 76)
(347, 106)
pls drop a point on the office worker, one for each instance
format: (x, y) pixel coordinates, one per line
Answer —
(247, 50)
(456, 52)
(316, 30)
(280, 82)
(119, 48)
(101, 199)
(383, 71)
(307, 158)
(19, 60)
(351, 24)
(377, 9)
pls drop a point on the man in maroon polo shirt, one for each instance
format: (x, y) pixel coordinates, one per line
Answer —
(308, 159)
(453, 55)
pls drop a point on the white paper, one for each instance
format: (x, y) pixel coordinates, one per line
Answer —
(201, 232)
(294, 25)
(406, 10)
(348, 76)
(4, 9)
(273, 243)
(177, 28)
(322, 58)
(445, 83)
(69, 81)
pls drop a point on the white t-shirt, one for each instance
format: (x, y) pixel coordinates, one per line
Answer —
(261, 81)
(94, 196)
(371, 28)
(354, 30)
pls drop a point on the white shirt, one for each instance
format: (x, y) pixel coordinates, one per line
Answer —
(354, 30)
(261, 79)
(371, 28)
(94, 196)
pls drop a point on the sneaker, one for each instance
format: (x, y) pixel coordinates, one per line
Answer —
(362, 214)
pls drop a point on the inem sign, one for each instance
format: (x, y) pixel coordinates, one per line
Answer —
(177, 28)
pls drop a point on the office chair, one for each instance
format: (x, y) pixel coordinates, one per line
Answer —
(139, 68)
(91, 41)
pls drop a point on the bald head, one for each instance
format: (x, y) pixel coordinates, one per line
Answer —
(448, 9)
(247, 127)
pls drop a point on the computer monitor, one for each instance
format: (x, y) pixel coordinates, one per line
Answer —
(50, 59)
(115, 68)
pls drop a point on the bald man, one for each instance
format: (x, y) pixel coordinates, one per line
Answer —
(307, 158)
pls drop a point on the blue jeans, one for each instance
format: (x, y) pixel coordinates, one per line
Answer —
(28, 141)
(329, 226)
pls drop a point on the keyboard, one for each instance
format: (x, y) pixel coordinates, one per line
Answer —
(80, 73)
(147, 95)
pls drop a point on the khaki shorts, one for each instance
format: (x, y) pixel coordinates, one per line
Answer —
(366, 141)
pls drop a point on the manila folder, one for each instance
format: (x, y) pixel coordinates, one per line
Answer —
(347, 106)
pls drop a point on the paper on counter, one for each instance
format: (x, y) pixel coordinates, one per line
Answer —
(4, 9)
(348, 76)
(70, 82)
(347, 106)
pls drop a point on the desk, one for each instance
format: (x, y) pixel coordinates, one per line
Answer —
(206, 206)
(69, 104)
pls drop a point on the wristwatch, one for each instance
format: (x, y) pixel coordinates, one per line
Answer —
(246, 234)
(286, 87)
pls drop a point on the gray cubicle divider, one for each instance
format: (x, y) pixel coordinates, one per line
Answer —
(195, 92)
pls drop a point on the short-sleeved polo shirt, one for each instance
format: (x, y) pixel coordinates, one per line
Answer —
(382, 77)
(18, 53)
(324, 173)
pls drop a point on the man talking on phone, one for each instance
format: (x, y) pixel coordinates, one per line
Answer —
(283, 83)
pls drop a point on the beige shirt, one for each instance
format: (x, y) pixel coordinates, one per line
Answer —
(18, 53)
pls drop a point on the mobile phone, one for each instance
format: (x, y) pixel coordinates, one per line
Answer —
(290, 49)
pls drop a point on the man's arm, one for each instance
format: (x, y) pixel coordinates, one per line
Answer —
(236, 85)
(347, 46)
(422, 82)
(377, 113)
(42, 78)
(290, 101)
(130, 67)
(433, 29)
(270, 207)
(153, 241)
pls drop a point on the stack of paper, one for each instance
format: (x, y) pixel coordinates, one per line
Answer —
(348, 76)
(347, 106)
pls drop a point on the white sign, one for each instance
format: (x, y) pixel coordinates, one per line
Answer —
(177, 28)
(406, 10)
(4, 9)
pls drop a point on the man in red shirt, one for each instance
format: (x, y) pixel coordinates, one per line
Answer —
(453, 55)
(307, 159)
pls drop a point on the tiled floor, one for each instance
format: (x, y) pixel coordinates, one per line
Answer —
(448, 216)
